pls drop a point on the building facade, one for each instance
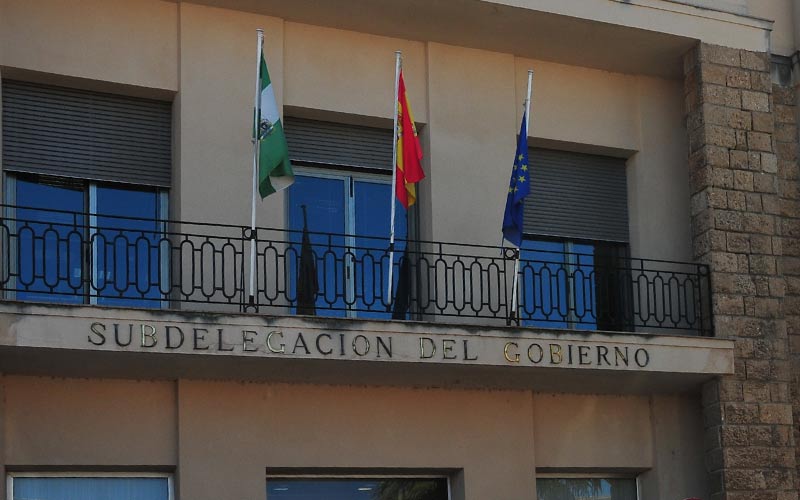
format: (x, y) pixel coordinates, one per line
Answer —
(650, 348)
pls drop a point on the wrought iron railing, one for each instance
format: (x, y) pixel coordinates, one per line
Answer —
(70, 257)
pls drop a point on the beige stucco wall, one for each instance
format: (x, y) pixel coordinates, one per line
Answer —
(686, 18)
(77, 422)
(782, 37)
(472, 100)
(134, 43)
(566, 432)
(348, 72)
(658, 174)
(217, 62)
(351, 427)
(223, 436)
(678, 451)
(581, 106)
(469, 101)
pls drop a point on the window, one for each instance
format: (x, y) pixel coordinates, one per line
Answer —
(352, 212)
(577, 196)
(82, 486)
(87, 177)
(573, 262)
(580, 285)
(399, 488)
(586, 488)
(343, 181)
(86, 242)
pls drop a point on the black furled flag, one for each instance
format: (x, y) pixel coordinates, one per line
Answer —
(307, 284)
(402, 297)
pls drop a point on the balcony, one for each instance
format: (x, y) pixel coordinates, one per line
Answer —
(76, 258)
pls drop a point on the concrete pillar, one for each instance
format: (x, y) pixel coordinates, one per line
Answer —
(736, 227)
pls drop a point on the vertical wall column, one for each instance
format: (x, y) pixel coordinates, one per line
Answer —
(3, 492)
(786, 147)
(736, 230)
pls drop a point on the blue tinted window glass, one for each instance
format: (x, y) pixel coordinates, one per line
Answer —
(325, 202)
(126, 247)
(352, 268)
(543, 290)
(582, 287)
(50, 243)
(372, 217)
(90, 488)
(558, 286)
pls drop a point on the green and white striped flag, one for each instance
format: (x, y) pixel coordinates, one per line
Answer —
(274, 169)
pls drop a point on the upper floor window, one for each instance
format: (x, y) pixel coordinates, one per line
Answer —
(574, 270)
(86, 242)
(86, 182)
(343, 189)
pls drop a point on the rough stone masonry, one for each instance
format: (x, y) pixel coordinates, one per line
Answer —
(743, 176)
(786, 148)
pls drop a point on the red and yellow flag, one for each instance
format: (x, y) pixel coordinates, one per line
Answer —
(409, 152)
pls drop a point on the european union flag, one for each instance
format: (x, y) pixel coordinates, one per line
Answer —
(518, 189)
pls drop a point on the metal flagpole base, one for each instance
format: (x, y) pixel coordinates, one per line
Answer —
(250, 306)
(250, 234)
(513, 254)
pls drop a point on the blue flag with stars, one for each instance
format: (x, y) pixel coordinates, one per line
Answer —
(518, 189)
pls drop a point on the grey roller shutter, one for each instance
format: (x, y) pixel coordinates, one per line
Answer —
(89, 135)
(336, 144)
(578, 196)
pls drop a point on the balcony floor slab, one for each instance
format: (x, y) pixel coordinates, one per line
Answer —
(87, 341)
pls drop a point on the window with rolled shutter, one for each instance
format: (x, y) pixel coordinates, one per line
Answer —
(338, 145)
(344, 186)
(87, 135)
(95, 167)
(577, 196)
(576, 242)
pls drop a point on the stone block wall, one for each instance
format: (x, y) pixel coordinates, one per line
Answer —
(786, 148)
(737, 227)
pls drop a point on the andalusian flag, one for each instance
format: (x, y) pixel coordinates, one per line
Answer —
(409, 152)
(274, 170)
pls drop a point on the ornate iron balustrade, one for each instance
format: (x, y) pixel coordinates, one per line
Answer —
(69, 257)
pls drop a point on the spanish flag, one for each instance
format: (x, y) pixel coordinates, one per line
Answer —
(409, 152)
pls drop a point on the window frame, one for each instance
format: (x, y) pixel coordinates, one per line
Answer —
(348, 176)
(83, 474)
(571, 263)
(357, 476)
(343, 174)
(593, 475)
(90, 297)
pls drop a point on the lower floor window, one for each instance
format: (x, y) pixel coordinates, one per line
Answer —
(300, 488)
(90, 487)
(586, 488)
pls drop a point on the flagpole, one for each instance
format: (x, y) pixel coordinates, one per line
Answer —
(514, 292)
(256, 140)
(397, 64)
